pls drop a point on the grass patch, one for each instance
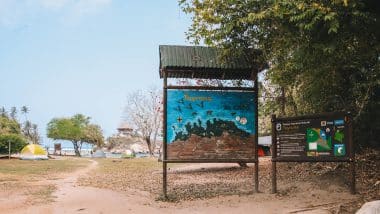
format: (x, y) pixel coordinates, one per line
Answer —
(34, 170)
(123, 174)
(21, 176)
(41, 194)
(145, 174)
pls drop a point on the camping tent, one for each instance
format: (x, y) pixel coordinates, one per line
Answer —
(33, 152)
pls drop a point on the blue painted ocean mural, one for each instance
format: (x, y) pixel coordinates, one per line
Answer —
(203, 121)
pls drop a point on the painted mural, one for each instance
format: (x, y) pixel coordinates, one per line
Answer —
(210, 125)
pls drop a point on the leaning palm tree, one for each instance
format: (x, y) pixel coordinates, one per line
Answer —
(25, 111)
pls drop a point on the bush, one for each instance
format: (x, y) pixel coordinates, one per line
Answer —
(17, 143)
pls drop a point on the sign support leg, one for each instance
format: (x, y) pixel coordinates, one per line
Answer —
(164, 123)
(164, 181)
(274, 177)
(274, 155)
(256, 88)
(352, 154)
(353, 174)
(257, 177)
(9, 150)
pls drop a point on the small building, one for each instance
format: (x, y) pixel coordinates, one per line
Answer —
(125, 130)
(264, 145)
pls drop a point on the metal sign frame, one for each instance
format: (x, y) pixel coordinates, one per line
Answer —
(166, 161)
(349, 157)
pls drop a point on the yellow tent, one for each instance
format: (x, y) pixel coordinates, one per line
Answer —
(33, 152)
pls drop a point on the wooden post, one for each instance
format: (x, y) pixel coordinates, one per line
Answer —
(274, 155)
(256, 132)
(9, 149)
(353, 175)
(352, 154)
(164, 154)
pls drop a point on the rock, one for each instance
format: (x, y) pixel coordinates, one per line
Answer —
(138, 148)
(316, 211)
(372, 207)
(129, 152)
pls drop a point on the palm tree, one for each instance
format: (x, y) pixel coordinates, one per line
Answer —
(13, 113)
(3, 112)
(34, 135)
(27, 129)
(25, 111)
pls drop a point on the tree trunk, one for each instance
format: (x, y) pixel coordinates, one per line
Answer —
(147, 140)
(154, 141)
(294, 105)
(76, 148)
(283, 101)
(80, 146)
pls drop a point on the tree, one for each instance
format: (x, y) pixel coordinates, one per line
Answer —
(13, 113)
(323, 55)
(25, 111)
(92, 134)
(17, 143)
(14, 131)
(30, 131)
(9, 126)
(76, 129)
(144, 110)
(3, 112)
(10, 132)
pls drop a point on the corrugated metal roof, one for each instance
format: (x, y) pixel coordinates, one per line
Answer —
(201, 62)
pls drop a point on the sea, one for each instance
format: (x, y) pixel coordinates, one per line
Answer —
(67, 147)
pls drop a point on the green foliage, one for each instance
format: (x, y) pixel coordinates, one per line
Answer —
(17, 143)
(9, 126)
(10, 131)
(93, 134)
(323, 55)
(63, 129)
(76, 129)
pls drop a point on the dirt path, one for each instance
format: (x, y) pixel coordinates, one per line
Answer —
(71, 198)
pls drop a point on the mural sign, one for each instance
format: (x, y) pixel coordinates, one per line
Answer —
(210, 125)
(312, 138)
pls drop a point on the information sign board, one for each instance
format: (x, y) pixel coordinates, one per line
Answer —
(210, 125)
(312, 138)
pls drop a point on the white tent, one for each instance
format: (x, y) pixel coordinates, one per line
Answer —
(33, 152)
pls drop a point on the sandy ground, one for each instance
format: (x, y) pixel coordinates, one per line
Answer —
(71, 198)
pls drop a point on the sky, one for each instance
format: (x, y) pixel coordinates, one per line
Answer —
(62, 57)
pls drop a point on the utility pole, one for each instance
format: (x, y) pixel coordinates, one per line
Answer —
(9, 149)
